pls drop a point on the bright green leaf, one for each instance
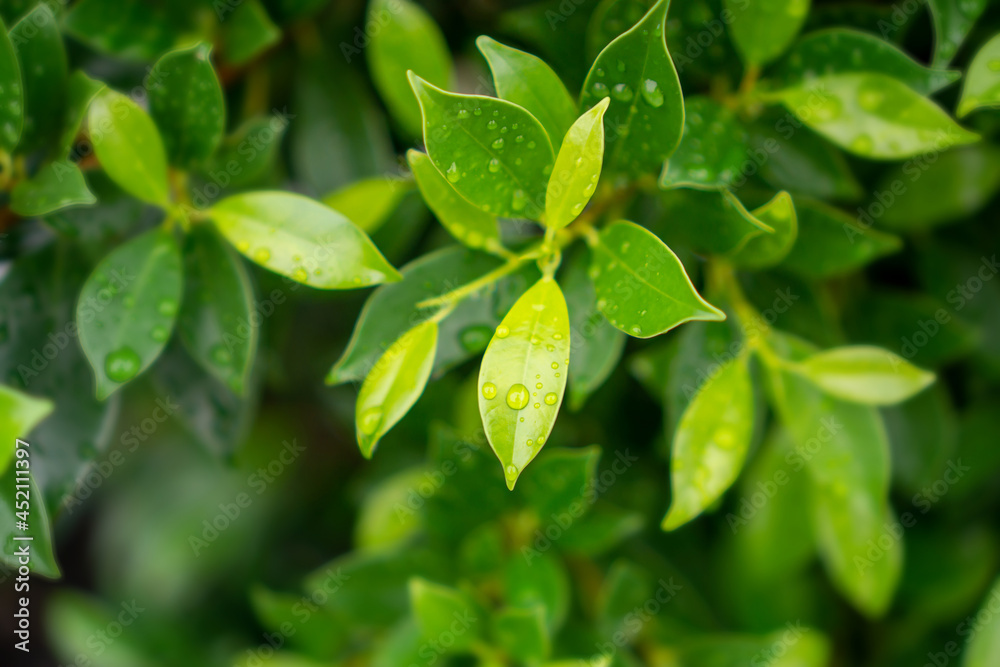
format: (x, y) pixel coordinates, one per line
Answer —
(437, 610)
(845, 50)
(792, 646)
(865, 374)
(368, 203)
(646, 118)
(577, 169)
(984, 645)
(408, 39)
(711, 442)
(19, 413)
(185, 100)
(712, 151)
(468, 223)
(216, 323)
(521, 633)
(766, 250)
(127, 308)
(763, 29)
(642, 288)
(394, 384)
(302, 239)
(529, 82)
(873, 116)
(129, 146)
(44, 72)
(982, 81)
(12, 111)
(42, 558)
(952, 22)
(473, 141)
(523, 376)
(57, 185)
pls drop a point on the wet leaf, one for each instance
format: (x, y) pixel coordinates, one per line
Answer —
(712, 151)
(952, 22)
(713, 222)
(577, 169)
(42, 558)
(764, 29)
(56, 186)
(865, 374)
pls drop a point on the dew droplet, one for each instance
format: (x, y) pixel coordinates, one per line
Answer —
(493, 165)
(452, 173)
(262, 255)
(489, 391)
(159, 334)
(497, 143)
(167, 307)
(555, 365)
(300, 275)
(517, 396)
(551, 398)
(502, 331)
(622, 92)
(492, 124)
(599, 89)
(651, 92)
(122, 364)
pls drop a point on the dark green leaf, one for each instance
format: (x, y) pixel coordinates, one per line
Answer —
(245, 157)
(14, 490)
(57, 185)
(185, 100)
(642, 288)
(44, 71)
(556, 487)
(127, 308)
(12, 112)
(80, 92)
(247, 32)
(766, 250)
(134, 29)
(952, 22)
(763, 30)
(712, 151)
(646, 118)
(521, 633)
(712, 222)
(441, 611)
(543, 580)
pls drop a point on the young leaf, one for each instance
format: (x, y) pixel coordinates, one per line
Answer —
(247, 32)
(529, 82)
(368, 203)
(642, 288)
(129, 147)
(711, 442)
(521, 633)
(12, 111)
(127, 308)
(865, 374)
(952, 22)
(596, 345)
(41, 559)
(712, 222)
(394, 384)
(185, 100)
(577, 169)
(57, 185)
(845, 50)
(832, 243)
(496, 154)
(523, 376)
(437, 608)
(763, 29)
(215, 323)
(982, 80)
(874, 116)
(646, 118)
(302, 239)
(19, 413)
(44, 71)
(409, 39)
(766, 250)
(466, 222)
(80, 92)
(984, 644)
(712, 151)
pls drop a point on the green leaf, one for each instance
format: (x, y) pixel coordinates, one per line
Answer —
(865, 374)
(216, 323)
(523, 376)
(952, 22)
(42, 558)
(127, 308)
(248, 32)
(984, 645)
(846, 452)
(408, 39)
(80, 92)
(132, 29)
(368, 203)
(610, 19)
(19, 413)
(394, 384)
(577, 169)
(793, 646)
(44, 71)
(873, 116)
(642, 288)
(954, 186)
(441, 610)
(763, 30)
(982, 80)
(711, 442)
(57, 185)
(714, 222)
(246, 156)
(792, 157)
(466, 222)
(529, 82)
(496, 154)
(625, 586)
(12, 112)
(129, 147)
(646, 118)
(712, 151)
(185, 100)
(540, 580)
(557, 485)
(832, 243)
(597, 346)
(766, 250)
(845, 51)
(521, 633)
(302, 239)
(385, 519)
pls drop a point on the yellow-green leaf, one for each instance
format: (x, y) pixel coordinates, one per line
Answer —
(19, 413)
(982, 80)
(763, 29)
(369, 202)
(865, 374)
(577, 170)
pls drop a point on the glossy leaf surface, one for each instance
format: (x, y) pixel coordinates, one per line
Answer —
(11, 113)
(982, 82)
(577, 169)
(764, 29)
(368, 203)
(952, 22)
(57, 185)
(712, 151)
(865, 374)
(19, 413)
(769, 249)
(44, 71)
(713, 222)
